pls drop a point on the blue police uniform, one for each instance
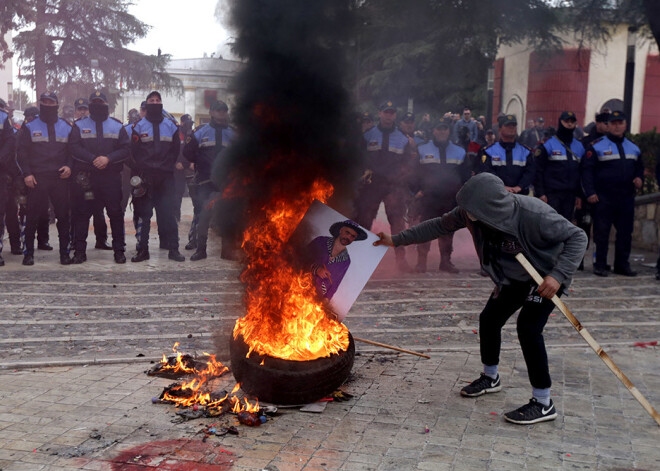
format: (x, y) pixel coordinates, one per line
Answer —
(608, 170)
(512, 162)
(43, 148)
(441, 170)
(155, 149)
(389, 158)
(96, 188)
(558, 174)
(202, 148)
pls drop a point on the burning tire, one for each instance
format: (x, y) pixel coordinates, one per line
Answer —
(289, 382)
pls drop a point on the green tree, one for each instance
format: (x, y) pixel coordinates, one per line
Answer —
(438, 51)
(81, 44)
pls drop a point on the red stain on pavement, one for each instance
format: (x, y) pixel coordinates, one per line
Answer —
(173, 455)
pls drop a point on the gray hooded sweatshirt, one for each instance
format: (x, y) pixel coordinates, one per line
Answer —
(551, 243)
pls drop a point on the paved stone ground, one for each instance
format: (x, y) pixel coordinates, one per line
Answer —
(73, 394)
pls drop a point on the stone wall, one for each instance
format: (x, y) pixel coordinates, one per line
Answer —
(647, 221)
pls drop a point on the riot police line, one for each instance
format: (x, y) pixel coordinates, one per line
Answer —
(76, 168)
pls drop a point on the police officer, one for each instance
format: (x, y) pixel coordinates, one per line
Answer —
(182, 167)
(508, 159)
(367, 121)
(7, 146)
(407, 127)
(599, 129)
(45, 163)
(15, 213)
(133, 117)
(441, 171)
(100, 227)
(155, 148)
(202, 148)
(100, 145)
(81, 108)
(558, 160)
(612, 171)
(390, 155)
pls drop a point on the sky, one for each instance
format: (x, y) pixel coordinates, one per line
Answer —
(184, 29)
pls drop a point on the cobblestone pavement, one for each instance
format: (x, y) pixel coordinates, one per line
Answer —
(73, 393)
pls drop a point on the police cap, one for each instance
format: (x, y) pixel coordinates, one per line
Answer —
(567, 116)
(49, 96)
(366, 116)
(143, 105)
(510, 119)
(219, 105)
(387, 106)
(30, 112)
(154, 93)
(98, 96)
(540, 119)
(617, 116)
(408, 117)
(185, 118)
(82, 103)
(444, 122)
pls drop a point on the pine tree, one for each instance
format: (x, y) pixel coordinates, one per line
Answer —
(81, 45)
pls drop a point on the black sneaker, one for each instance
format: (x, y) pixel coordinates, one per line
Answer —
(28, 260)
(532, 413)
(485, 384)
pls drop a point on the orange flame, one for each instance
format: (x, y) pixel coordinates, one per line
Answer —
(284, 318)
(213, 367)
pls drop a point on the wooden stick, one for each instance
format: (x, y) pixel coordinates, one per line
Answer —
(592, 342)
(391, 347)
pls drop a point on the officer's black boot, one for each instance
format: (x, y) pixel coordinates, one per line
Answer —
(176, 255)
(44, 246)
(192, 244)
(16, 250)
(65, 259)
(199, 254)
(2, 262)
(79, 257)
(141, 256)
(28, 260)
(102, 245)
(119, 256)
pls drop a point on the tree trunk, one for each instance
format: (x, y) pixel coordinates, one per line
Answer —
(40, 49)
(652, 8)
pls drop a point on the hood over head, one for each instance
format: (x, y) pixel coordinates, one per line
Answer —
(485, 198)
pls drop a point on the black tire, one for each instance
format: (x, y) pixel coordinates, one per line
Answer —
(289, 382)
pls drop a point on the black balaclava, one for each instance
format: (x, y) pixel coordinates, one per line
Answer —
(48, 114)
(155, 112)
(564, 134)
(99, 112)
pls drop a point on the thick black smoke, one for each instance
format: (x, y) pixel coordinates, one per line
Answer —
(292, 111)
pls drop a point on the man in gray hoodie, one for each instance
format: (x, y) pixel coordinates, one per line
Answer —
(503, 224)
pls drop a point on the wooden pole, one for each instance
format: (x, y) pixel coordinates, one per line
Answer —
(592, 342)
(391, 347)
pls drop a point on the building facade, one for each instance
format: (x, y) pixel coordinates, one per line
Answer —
(583, 79)
(204, 81)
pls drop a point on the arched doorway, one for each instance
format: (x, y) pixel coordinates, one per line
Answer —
(515, 107)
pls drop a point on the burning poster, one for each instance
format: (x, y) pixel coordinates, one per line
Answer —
(338, 253)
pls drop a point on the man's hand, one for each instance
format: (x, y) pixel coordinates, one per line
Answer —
(637, 182)
(65, 172)
(101, 162)
(323, 272)
(179, 166)
(385, 239)
(593, 199)
(30, 181)
(543, 198)
(549, 287)
(578, 202)
(513, 189)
